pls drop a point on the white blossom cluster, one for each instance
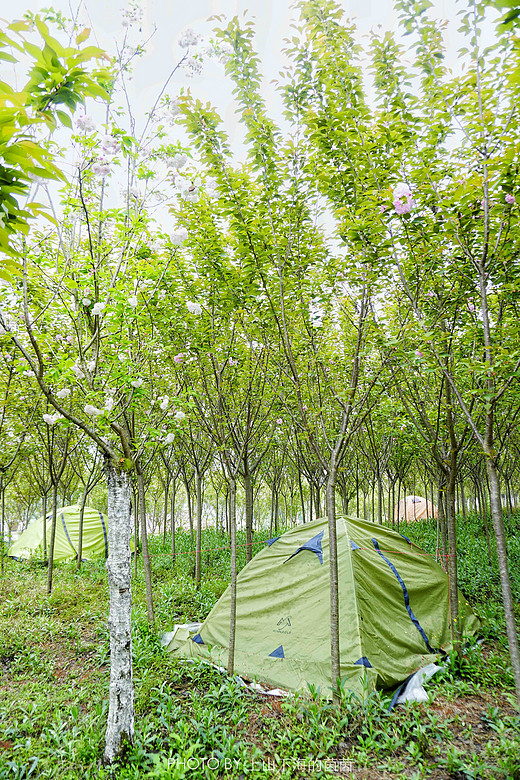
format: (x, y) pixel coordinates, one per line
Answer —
(131, 15)
(52, 419)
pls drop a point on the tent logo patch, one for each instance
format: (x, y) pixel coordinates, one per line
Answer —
(284, 625)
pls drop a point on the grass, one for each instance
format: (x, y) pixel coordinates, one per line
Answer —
(193, 721)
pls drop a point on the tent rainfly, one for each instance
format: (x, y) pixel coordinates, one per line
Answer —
(95, 538)
(414, 508)
(394, 611)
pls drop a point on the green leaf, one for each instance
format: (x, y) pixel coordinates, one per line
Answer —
(64, 118)
(83, 35)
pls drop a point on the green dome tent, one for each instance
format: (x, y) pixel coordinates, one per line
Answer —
(95, 536)
(394, 611)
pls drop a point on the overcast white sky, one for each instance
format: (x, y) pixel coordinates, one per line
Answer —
(164, 20)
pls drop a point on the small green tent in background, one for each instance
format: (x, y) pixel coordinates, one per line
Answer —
(95, 536)
(394, 611)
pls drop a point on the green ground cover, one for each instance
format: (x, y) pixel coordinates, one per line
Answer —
(195, 722)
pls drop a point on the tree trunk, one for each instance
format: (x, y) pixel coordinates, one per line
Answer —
(334, 588)
(120, 723)
(302, 497)
(165, 507)
(2, 523)
(190, 510)
(44, 527)
(463, 499)
(452, 563)
(198, 520)
(50, 564)
(317, 500)
(507, 599)
(172, 505)
(357, 490)
(233, 584)
(380, 498)
(146, 555)
(248, 490)
(80, 530)
(442, 524)
(486, 525)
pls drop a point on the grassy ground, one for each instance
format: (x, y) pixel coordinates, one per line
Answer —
(194, 722)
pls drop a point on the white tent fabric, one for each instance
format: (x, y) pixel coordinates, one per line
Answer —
(414, 508)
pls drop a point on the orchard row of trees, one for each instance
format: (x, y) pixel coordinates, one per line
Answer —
(287, 486)
(348, 293)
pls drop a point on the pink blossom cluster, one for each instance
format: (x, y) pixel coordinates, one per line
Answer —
(85, 123)
(403, 201)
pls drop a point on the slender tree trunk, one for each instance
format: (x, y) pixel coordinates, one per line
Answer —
(317, 500)
(2, 523)
(190, 511)
(334, 587)
(50, 563)
(302, 498)
(120, 723)
(80, 530)
(452, 562)
(173, 520)
(248, 491)
(233, 584)
(480, 492)
(165, 507)
(507, 599)
(228, 526)
(379, 498)
(44, 527)
(463, 499)
(344, 499)
(146, 555)
(135, 510)
(198, 519)
(311, 501)
(357, 490)
(443, 526)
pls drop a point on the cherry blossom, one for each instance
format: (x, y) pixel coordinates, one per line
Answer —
(179, 236)
(110, 145)
(177, 161)
(133, 301)
(52, 419)
(179, 358)
(189, 38)
(63, 393)
(85, 123)
(180, 415)
(80, 374)
(101, 168)
(136, 383)
(194, 308)
(169, 439)
(510, 198)
(92, 411)
(98, 308)
(164, 403)
(402, 196)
